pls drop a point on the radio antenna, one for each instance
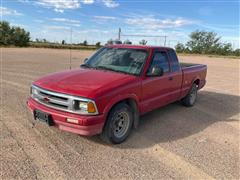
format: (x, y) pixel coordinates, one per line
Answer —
(70, 58)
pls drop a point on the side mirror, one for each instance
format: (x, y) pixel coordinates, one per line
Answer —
(85, 60)
(155, 71)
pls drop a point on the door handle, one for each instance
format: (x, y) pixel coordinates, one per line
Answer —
(170, 78)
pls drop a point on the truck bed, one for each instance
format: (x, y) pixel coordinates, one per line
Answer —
(183, 65)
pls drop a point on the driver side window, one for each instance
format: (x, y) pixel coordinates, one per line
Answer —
(160, 59)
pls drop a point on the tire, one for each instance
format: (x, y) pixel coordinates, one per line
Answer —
(190, 99)
(118, 125)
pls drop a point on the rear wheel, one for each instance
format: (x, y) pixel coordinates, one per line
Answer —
(118, 125)
(190, 99)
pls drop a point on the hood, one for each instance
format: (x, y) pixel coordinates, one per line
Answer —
(83, 82)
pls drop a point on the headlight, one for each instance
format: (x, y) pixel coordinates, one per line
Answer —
(33, 90)
(85, 107)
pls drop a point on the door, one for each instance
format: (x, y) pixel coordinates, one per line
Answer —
(156, 90)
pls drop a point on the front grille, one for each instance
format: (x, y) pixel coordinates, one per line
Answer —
(52, 99)
(53, 96)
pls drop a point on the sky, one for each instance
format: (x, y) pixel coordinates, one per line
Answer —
(99, 20)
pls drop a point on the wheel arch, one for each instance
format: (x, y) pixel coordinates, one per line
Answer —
(196, 81)
(130, 100)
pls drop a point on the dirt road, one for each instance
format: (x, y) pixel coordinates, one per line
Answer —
(201, 142)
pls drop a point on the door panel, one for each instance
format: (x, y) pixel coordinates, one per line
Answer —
(156, 90)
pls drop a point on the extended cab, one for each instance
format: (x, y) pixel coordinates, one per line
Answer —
(109, 92)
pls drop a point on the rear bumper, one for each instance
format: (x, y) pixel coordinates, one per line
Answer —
(87, 125)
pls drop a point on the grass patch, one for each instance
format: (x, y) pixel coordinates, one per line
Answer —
(62, 46)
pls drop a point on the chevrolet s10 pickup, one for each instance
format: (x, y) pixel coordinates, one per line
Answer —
(113, 88)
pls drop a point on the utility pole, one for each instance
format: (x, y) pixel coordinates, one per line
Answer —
(119, 34)
(70, 58)
(165, 40)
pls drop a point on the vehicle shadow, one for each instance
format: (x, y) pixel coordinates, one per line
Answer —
(175, 121)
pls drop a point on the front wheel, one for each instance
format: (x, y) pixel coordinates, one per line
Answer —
(118, 125)
(190, 99)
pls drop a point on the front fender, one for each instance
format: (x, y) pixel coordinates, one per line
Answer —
(118, 99)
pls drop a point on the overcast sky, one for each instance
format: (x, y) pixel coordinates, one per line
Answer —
(99, 20)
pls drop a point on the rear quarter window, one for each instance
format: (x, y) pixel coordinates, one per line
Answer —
(174, 59)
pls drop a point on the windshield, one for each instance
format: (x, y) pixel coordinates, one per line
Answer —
(130, 61)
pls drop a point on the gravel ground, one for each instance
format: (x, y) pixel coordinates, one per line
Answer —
(173, 142)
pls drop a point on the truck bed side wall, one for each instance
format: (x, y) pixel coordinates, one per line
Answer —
(190, 75)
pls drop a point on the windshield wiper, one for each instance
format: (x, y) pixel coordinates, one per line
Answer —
(106, 68)
(86, 66)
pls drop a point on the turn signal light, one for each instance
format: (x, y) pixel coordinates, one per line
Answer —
(91, 108)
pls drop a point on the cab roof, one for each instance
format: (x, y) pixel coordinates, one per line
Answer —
(137, 46)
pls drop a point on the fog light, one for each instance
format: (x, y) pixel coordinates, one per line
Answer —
(75, 121)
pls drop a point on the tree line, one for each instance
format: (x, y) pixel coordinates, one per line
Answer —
(203, 42)
(200, 42)
(13, 35)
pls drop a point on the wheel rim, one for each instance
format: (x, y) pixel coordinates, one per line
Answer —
(120, 124)
(193, 96)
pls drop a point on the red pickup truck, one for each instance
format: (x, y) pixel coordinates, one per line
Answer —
(116, 85)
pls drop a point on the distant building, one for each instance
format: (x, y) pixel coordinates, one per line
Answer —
(127, 42)
(112, 42)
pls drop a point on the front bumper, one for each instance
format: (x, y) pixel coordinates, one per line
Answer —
(87, 125)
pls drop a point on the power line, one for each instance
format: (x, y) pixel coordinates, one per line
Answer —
(140, 35)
